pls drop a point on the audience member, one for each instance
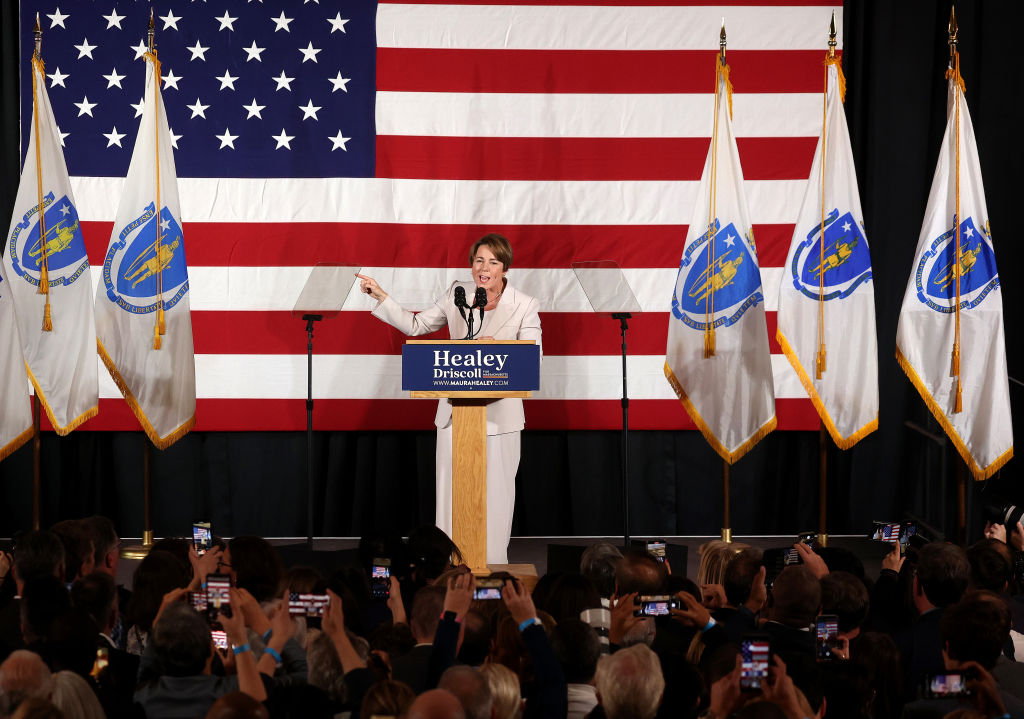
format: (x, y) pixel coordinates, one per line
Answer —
(157, 574)
(23, 675)
(577, 648)
(387, 699)
(629, 683)
(38, 554)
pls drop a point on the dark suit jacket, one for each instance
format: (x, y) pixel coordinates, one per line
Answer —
(10, 628)
(921, 648)
(411, 668)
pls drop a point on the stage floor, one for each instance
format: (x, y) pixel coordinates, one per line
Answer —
(534, 550)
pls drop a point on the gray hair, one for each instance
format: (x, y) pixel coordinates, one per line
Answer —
(598, 565)
(630, 683)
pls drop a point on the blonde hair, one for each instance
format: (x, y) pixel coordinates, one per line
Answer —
(714, 558)
(74, 697)
(504, 684)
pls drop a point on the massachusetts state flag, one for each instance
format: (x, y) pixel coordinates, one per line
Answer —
(47, 273)
(142, 308)
(15, 409)
(826, 320)
(392, 135)
(957, 360)
(718, 360)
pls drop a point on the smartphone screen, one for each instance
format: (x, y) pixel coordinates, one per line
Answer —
(198, 601)
(488, 588)
(938, 686)
(220, 638)
(755, 651)
(217, 596)
(656, 547)
(380, 578)
(827, 639)
(307, 605)
(202, 537)
(886, 532)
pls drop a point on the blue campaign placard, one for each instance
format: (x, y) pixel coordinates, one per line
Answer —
(471, 367)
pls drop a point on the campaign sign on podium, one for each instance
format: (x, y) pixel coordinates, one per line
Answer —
(470, 374)
(470, 366)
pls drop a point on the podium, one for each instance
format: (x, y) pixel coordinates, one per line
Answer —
(470, 374)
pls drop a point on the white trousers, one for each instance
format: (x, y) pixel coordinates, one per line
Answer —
(502, 465)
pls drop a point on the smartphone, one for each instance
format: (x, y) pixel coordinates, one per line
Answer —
(655, 605)
(755, 651)
(198, 601)
(656, 547)
(217, 596)
(808, 538)
(220, 638)
(307, 605)
(827, 636)
(489, 588)
(894, 532)
(102, 661)
(380, 578)
(202, 537)
(940, 686)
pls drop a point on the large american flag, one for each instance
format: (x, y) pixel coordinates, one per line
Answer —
(391, 135)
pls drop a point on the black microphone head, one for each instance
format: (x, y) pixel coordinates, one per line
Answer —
(460, 296)
(481, 298)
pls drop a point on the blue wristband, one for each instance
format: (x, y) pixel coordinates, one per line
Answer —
(711, 623)
(274, 653)
(529, 623)
(241, 649)
(267, 635)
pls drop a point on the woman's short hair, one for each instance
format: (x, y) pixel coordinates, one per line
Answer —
(504, 684)
(499, 246)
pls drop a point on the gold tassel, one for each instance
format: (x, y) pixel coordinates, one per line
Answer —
(47, 320)
(954, 368)
(958, 405)
(821, 361)
(156, 337)
(44, 281)
(709, 342)
(160, 321)
(724, 69)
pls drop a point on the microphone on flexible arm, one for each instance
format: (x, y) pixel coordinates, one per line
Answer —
(481, 302)
(462, 305)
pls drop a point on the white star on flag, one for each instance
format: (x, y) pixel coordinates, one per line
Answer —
(227, 139)
(309, 52)
(140, 49)
(171, 80)
(254, 109)
(114, 79)
(337, 23)
(730, 241)
(226, 22)
(339, 82)
(58, 78)
(139, 106)
(85, 107)
(57, 19)
(165, 224)
(65, 210)
(846, 226)
(226, 80)
(113, 137)
(198, 51)
(62, 136)
(114, 20)
(283, 81)
(253, 52)
(339, 141)
(309, 110)
(282, 22)
(283, 140)
(85, 49)
(170, 20)
(174, 138)
(198, 110)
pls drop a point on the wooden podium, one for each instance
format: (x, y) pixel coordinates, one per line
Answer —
(469, 438)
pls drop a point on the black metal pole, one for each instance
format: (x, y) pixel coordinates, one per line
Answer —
(310, 319)
(622, 317)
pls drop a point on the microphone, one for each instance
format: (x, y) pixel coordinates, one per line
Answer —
(460, 300)
(481, 298)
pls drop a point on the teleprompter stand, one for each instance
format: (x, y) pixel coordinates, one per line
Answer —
(322, 297)
(608, 292)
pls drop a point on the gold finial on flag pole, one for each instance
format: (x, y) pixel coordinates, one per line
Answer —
(832, 36)
(953, 30)
(721, 42)
(39, 37)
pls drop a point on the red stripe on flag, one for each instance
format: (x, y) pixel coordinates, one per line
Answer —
(594, 71)
(261, 415)
(624, 3)
(303, 244)
(565, 333)
(583, 158)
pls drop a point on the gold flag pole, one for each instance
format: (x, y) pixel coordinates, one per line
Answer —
(44, 268)
(709, 307)
(37, 408)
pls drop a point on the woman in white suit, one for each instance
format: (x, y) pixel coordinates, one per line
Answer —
(508, 315)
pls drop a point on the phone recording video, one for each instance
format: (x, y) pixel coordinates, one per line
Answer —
(220, 638)
(307, 605)
(380, 578)
(755, 651)
(198, 601)
(940, 686)
(218, 598)
(894, 532)
(488, 588)
(827, 637)
(655, 605)
(656, 547)
(202, 537)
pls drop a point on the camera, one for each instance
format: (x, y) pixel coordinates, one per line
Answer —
(655, 605)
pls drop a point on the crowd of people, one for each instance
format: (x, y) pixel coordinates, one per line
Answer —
(425, 643)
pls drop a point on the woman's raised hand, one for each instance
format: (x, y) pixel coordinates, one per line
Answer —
(369, 286)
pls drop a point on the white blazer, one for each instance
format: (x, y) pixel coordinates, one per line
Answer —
(515, 318)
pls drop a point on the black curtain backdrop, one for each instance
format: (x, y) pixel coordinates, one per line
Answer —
(568, 484)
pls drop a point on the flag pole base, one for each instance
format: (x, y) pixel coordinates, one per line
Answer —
(137, 551)
(727, 534)
(822, 540)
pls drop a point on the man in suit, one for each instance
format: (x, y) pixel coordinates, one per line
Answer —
(38, 554)
(412, 667)
(96, 594)
(509, 315)
(107, 555)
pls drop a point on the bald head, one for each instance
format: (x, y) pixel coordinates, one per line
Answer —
(237, 705)
(436, 704)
